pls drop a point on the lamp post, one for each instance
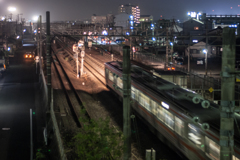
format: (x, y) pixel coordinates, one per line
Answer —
(171, 51)
(82, 48)
(205, 51)
(75, 49)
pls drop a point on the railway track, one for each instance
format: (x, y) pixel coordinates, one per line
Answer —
(74, 102)
(92, 65)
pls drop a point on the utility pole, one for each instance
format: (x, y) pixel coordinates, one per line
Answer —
(126, 77)
(206, 47)
(189, 54)
(40, 53)
(167, 46)
(38, 36)
(227, 94)
(48, 42)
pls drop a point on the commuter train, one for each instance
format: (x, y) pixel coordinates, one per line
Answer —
(190, 123)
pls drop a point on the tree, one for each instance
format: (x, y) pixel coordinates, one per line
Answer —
(98, 140)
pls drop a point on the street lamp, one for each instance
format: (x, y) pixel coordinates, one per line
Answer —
(75, 49)
(205, 51)
(171, 51)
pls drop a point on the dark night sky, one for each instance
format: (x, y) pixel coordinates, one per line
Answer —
(83, 9)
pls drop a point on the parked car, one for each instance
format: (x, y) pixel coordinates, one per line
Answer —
(119, 40)
(170, 67)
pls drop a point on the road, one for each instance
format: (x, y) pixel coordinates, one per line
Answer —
(17, 96)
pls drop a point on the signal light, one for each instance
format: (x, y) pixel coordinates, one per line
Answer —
(169, 69)
(173, 68)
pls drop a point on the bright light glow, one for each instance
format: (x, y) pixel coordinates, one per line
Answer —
(204, 51)
(153, 39)
(193, 14)
(165, 105)
(35, 18)
(3, 18)
(188, 13)
(131, 27)
(193, 128)
(104, 32)
(24, 30)
(171, 43)
(127, 33)
(17, 37)
(194, 41)
(9, 48)
(35, 31)
(11, 9)
(194, 138)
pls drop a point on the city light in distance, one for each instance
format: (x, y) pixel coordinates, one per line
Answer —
(35, 18)
(11, 9)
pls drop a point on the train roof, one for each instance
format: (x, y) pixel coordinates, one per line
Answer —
(181, 98)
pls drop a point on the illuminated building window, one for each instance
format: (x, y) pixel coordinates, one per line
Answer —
(196, 28)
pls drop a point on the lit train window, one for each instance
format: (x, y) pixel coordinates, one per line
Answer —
(166, 117)
(212, 149)
(110, 75)
(179, 126)
(235, 158)
(154, 107)
(169, 119)
(119, 82)
(160, 114)
(133, 92)
(195, 136)
(144, 101)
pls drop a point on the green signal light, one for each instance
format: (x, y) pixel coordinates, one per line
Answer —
(33, 112)
(49, 150)
(202, 146)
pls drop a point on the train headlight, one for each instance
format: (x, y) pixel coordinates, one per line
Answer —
(30, 56)
(26, 56)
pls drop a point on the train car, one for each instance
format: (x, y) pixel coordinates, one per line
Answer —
(189, 122)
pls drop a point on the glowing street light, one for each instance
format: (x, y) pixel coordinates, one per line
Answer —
(205, 51)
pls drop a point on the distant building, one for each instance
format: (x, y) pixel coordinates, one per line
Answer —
(222, 21)
(98, 19)
(106, 21)
(122, 20)
(130, 9)
(196, 27)
(146, 18)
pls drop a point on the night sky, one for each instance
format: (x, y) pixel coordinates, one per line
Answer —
(84, 9)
